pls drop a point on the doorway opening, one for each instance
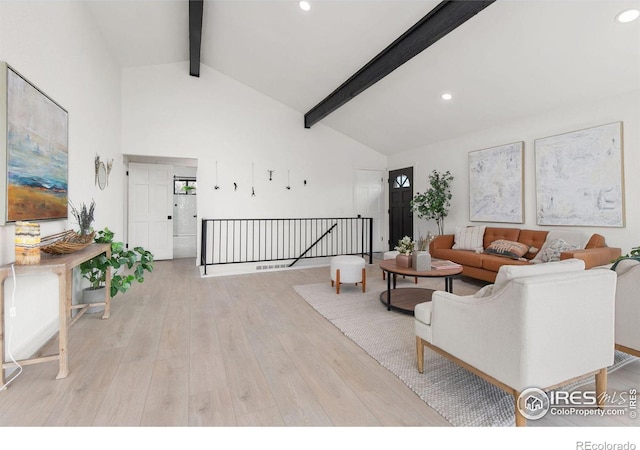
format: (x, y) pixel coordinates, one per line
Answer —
(185, 212)
(161, 213)
(369, 202)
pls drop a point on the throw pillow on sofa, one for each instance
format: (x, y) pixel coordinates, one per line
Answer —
(552, 251)
(469, 238)
(509, 249)
(578, 239)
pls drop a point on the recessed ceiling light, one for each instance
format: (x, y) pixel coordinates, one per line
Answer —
(628, 15)
(305, 6)
(446, 96)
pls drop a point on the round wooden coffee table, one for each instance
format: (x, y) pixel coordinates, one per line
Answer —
(405, 299)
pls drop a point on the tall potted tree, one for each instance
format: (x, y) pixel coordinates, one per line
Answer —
(435, 202)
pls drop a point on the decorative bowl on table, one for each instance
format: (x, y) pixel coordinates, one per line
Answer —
(66, 242)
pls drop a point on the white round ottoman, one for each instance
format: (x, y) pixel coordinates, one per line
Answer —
(348, 269)
(391, 254)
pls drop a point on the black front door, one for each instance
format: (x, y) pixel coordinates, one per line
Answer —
(400, 195)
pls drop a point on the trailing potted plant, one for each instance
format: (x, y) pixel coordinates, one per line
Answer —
(435, 202)
(127, 266)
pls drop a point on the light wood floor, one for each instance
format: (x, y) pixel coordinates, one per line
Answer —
(242, 350)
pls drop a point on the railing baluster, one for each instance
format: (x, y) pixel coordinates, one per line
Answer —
(371, 240)
(220, 243)
(203, 245)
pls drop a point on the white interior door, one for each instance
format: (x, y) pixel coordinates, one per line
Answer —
(369, 201)
(151, 208)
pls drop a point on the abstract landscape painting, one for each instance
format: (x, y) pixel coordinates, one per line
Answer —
(579, 178)
(37, 153)
(495, 184)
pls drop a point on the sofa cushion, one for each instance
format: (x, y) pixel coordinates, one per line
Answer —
(464, 257)
(493, 262)
(596, 241)
(469, 238)
(509, 271)
(494, 233)
(509, 249)
(534, 239)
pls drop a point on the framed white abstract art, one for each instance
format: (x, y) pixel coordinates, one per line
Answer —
(496, 184)
(579, 178)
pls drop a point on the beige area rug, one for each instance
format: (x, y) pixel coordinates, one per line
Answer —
(461, 397)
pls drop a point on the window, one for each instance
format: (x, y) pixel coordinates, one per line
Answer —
(184, 186)
(401, 181)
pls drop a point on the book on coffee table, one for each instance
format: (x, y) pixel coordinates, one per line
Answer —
(441, 264)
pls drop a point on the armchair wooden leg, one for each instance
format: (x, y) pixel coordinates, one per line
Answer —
(601, 386)
(420, 354)
(521, 421)
(338, 281)
(364, 280)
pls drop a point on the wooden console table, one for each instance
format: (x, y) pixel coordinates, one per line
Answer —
(62, 266)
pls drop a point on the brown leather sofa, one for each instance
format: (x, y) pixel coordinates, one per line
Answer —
(484, 266)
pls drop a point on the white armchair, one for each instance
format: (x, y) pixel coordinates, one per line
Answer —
(627, 334)
(537, 326)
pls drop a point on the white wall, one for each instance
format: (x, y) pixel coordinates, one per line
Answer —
(453, 155)
(224, 124)
(55, 46)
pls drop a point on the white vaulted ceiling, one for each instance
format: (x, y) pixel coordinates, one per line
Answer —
(515, 59)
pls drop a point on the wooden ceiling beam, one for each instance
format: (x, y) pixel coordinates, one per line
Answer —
(195, 36)
(440, 21)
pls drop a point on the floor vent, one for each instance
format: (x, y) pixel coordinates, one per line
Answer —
(272, 266)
